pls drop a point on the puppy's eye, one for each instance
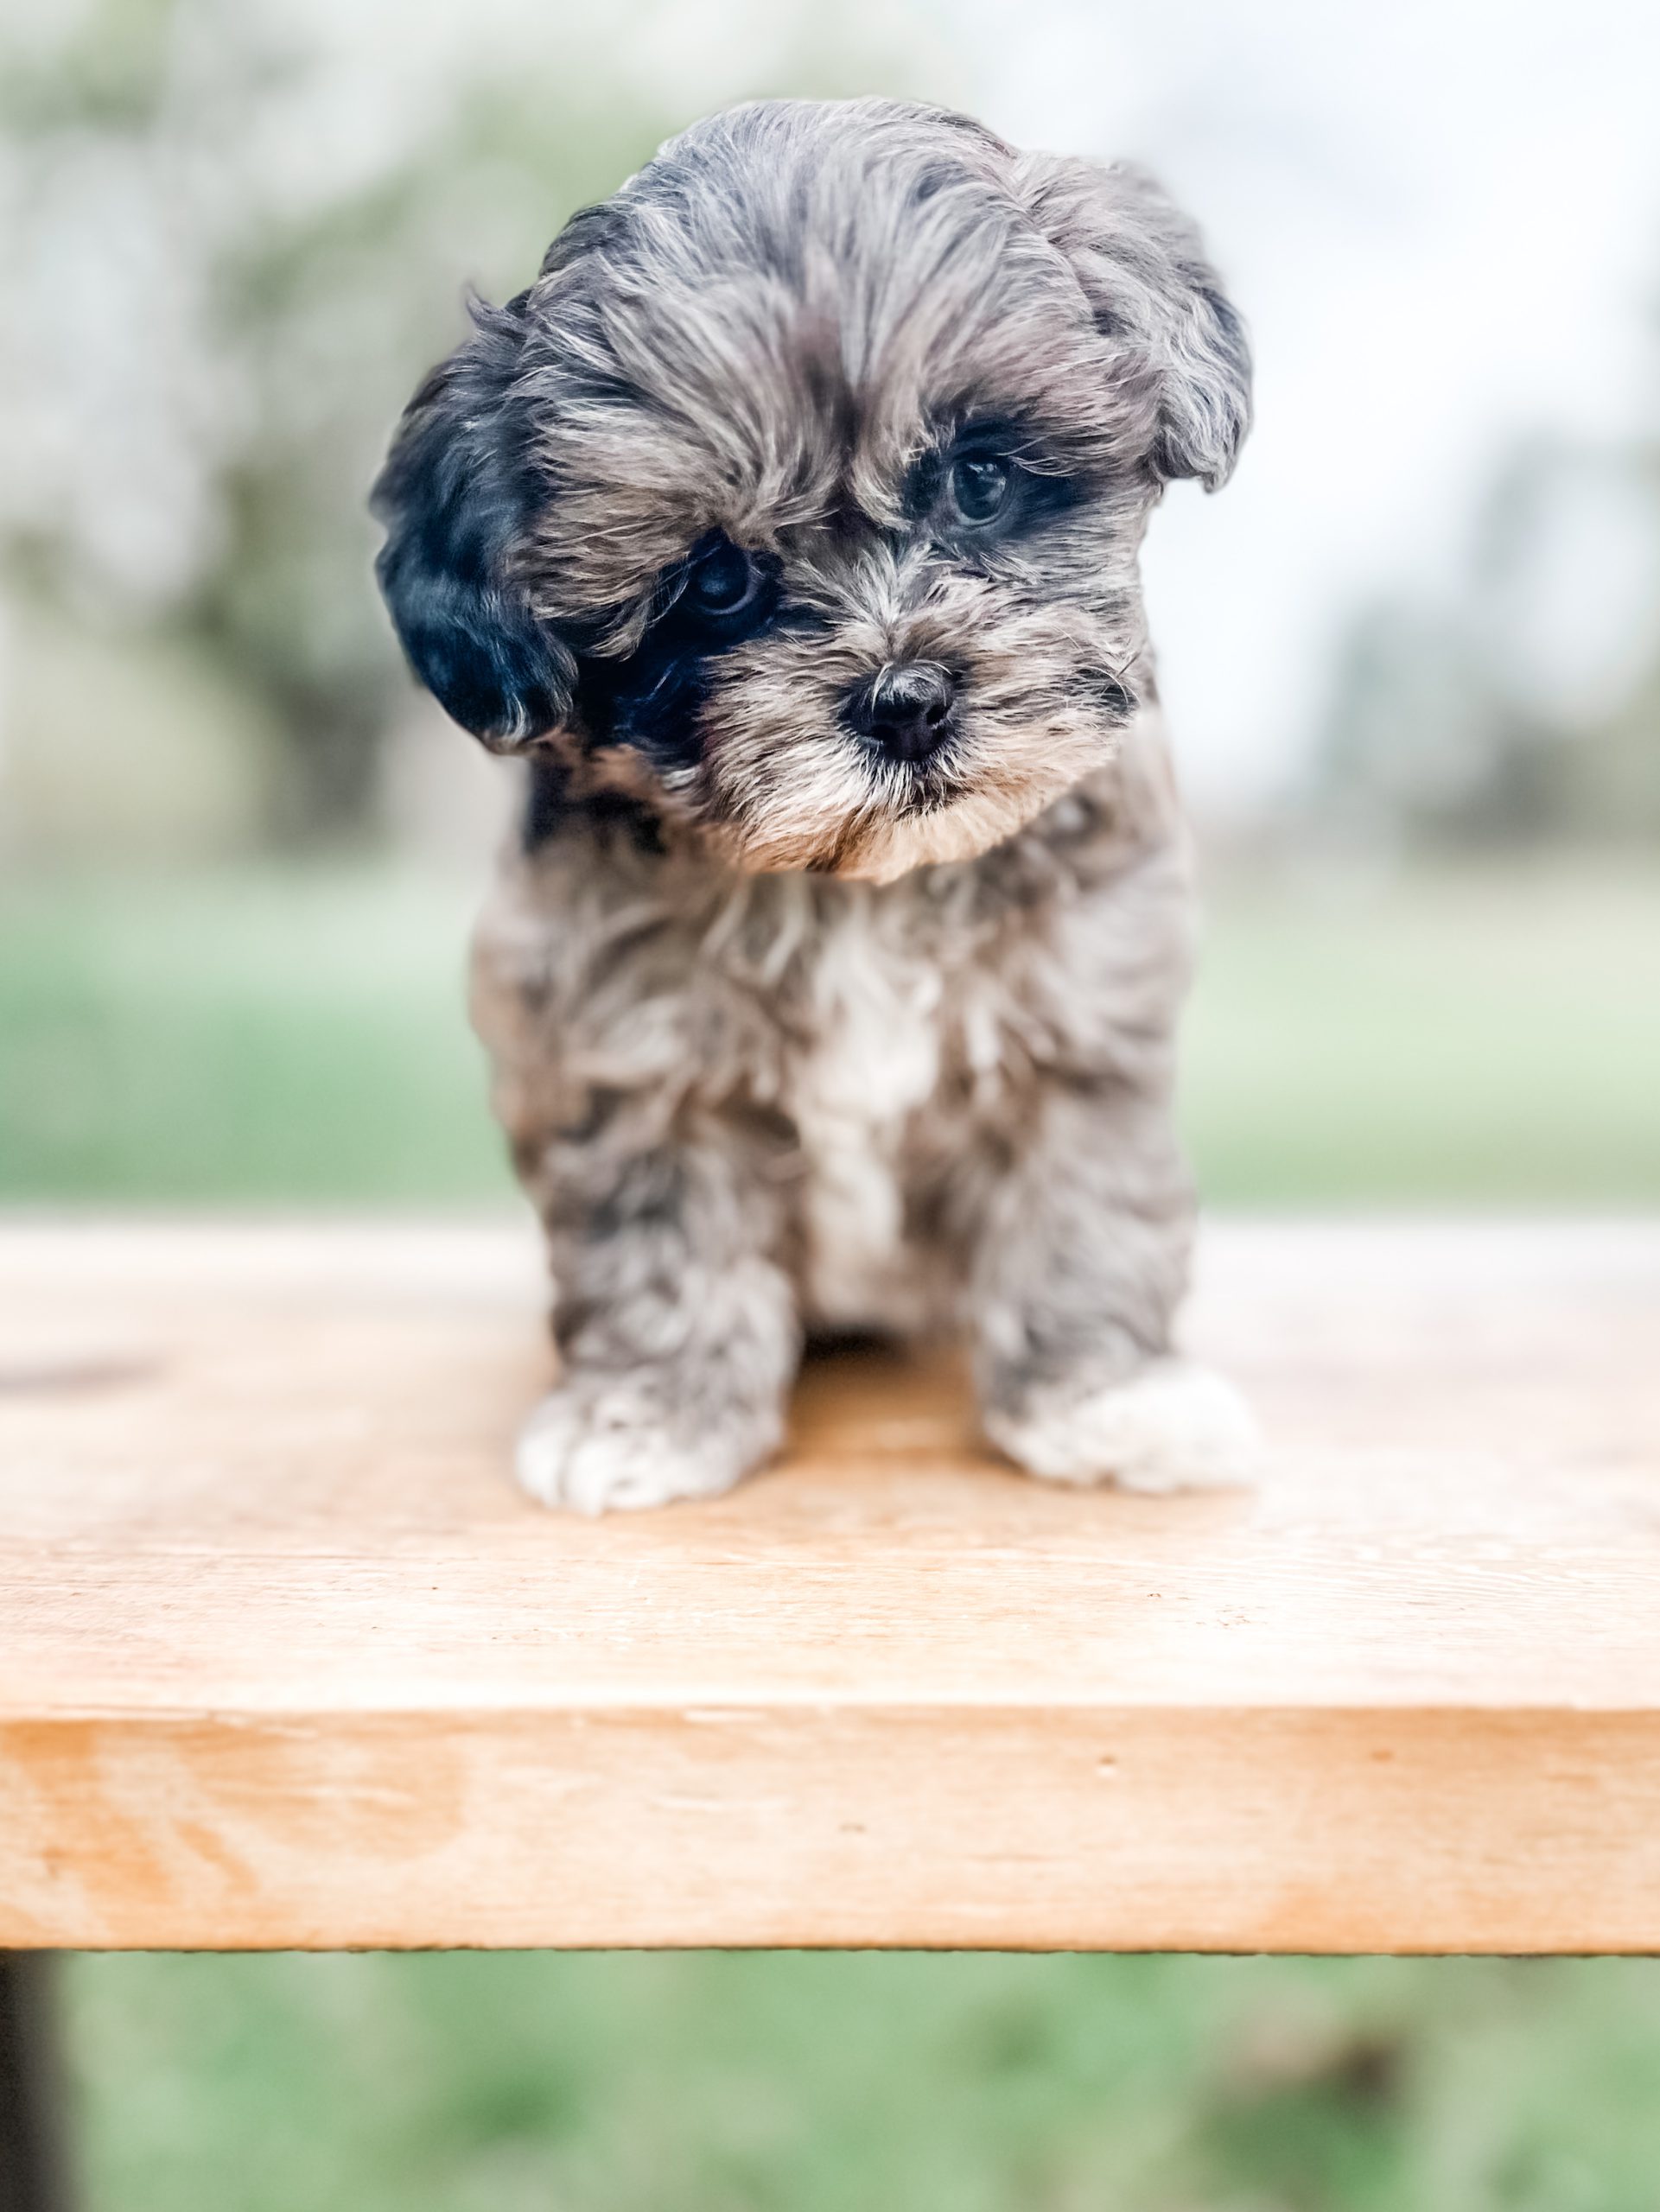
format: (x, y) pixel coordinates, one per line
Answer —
(979, 486)
(724, 580)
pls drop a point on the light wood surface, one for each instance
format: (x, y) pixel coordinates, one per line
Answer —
(284, 1659)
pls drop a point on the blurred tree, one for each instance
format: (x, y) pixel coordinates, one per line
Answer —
(226, 292)
(1523, 705)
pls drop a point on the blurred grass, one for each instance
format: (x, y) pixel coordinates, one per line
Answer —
(1464, 1038)
(730, 2083)
(262, 1036)
(272, 1038)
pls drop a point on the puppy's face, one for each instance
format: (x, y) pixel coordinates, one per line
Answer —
(800, 497)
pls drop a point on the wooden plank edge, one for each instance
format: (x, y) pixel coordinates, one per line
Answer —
(1408, 1829)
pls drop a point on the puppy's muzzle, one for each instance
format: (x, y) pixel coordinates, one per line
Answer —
(906, 712)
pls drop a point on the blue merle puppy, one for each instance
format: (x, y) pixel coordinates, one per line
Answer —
(788, 523)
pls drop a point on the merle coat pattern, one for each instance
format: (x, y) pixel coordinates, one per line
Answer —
(789, 524)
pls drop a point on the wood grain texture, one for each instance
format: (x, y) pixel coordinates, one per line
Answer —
(284, 1659)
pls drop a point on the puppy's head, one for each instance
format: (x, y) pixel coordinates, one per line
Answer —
(800, 496)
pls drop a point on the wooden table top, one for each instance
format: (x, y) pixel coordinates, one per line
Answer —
(286, 1659)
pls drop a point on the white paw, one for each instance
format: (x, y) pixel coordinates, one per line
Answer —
(1170, 1427)
(598, 1445)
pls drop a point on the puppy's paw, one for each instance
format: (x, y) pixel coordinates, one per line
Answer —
(1170, 1427)
(597, 1445)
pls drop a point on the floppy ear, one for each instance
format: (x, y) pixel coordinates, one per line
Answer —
(454, 495)
(1145, 275)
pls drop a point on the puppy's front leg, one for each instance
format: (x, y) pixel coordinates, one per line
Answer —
(676, 1327)
(1083, 1261)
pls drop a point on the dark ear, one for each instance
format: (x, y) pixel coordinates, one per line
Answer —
(1144, 273)
(454, 495)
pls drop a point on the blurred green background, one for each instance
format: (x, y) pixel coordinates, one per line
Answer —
(1482, 1033)
(1418, 696)
(712, 2083)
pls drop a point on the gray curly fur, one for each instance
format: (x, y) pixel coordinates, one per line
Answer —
(788, 1034)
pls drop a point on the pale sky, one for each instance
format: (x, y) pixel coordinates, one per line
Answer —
(1442, 220)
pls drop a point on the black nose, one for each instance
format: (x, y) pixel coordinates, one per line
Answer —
(906, 710)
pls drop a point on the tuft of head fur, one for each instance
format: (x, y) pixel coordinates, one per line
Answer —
(767, 360)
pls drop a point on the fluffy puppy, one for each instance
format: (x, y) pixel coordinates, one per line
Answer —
(789, 523)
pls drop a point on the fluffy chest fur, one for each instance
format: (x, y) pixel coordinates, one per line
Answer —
(868, 1070)
(885, 1050)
